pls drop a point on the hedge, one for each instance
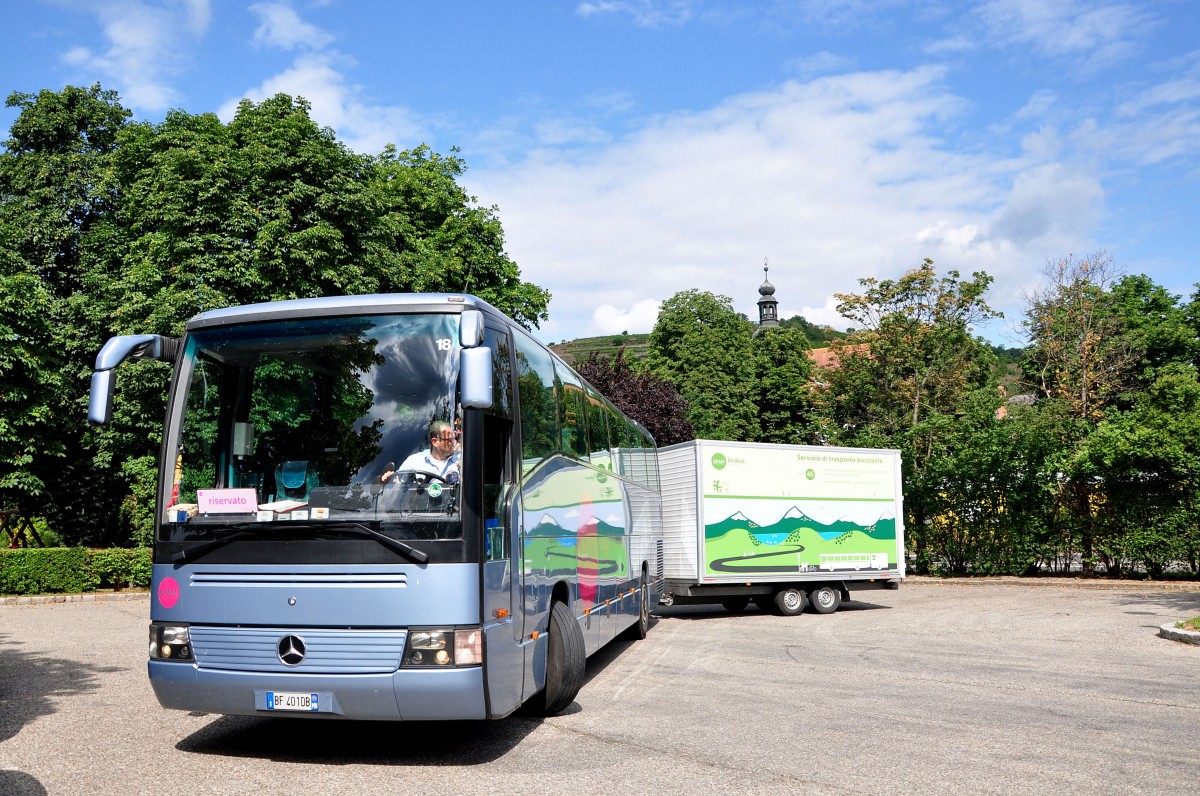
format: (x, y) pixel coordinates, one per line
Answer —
(71, 570)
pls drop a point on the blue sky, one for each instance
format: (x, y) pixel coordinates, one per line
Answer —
(638, 148)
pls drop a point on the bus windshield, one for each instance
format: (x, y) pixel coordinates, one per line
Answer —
(316, 422)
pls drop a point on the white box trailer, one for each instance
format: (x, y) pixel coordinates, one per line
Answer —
(783, 525)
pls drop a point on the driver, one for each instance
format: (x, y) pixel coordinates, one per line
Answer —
(441, 458)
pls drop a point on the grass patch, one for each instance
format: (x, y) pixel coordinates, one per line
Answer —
(1190, 624)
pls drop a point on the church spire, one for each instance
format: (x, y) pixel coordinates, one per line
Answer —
(767, 305)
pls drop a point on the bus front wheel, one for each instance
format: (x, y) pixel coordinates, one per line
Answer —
(641, 628)
(565, 657)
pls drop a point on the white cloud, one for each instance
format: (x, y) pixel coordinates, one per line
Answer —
(148, 44)
(1094, 34)
(838, 178)
(361, 125)
(645, 13)
(280, 26)
(607, 319)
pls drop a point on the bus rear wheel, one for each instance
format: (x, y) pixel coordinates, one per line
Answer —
(825, 599)
(565, 660)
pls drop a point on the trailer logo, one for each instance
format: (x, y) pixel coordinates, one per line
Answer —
(718, 461)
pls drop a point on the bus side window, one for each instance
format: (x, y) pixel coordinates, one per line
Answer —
(572, 414)
(539, 408)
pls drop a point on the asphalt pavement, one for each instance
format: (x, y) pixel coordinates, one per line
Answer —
(1005, 687)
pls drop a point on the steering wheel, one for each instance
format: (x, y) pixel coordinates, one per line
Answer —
(413, 476)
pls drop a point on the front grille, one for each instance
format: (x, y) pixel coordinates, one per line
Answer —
(327, 651)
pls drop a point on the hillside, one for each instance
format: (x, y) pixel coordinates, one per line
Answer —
(573, 351)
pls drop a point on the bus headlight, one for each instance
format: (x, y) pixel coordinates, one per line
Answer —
(443, 648)
(170, 643)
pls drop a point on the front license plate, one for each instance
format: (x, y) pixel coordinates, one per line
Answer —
(284, 700)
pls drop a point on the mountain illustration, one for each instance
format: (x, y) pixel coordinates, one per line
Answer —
(795, 519)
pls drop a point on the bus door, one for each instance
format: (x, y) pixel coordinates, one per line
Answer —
(503, 614)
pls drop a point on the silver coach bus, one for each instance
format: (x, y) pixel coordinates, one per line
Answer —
(298, 570)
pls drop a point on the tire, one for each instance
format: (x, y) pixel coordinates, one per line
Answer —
(825, 599)
(639, 629)
(565, 657)
(789, 602)
(735, 605)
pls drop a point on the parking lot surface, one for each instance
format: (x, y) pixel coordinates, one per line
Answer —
(999, 687)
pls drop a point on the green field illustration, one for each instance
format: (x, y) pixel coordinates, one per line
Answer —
(798, 543)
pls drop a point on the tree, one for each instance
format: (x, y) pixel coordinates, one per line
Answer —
(702, 346)
(1079, 347)
(645, 397)
(902, 376)
(135, 227)
(53, 194)
(784, 388)
(1148, 460)
(914, 344)
(1093, 342)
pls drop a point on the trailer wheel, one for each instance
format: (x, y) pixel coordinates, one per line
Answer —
(735, 605)
(825, 599)
(639, 629)
(565, 656)
(789, 601)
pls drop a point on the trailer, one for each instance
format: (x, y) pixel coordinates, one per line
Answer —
(785, 526)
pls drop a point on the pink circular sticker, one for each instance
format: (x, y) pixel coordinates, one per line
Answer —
(168, 592)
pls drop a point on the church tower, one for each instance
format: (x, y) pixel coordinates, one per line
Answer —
(768, 314)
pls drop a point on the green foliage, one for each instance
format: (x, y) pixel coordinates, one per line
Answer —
(811, 331)
(46, 570)
(121, 567)
(113, 227)
(73, 570)
(784, 389)
(1148, 462)
(702, 346)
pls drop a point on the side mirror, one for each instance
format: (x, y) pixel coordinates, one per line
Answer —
(470, 330)
(475, 378)
(115, 351)
(101, 398)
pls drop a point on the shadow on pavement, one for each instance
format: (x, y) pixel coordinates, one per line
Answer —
(18, 783)
(694, 612)
(29, 684)
(451, 743)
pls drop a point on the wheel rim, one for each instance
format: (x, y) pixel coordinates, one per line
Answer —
(824, 597)
(791, 599)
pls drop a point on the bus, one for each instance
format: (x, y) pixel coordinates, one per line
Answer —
(297, 570)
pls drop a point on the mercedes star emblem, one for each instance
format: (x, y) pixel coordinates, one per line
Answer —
(291, 650)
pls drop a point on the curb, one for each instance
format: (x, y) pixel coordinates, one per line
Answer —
(91, 597)
(1179, 634)
(1103, 584)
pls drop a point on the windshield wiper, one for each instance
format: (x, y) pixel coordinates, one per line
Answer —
(420, 556)
(256, 529)
(243, 531)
